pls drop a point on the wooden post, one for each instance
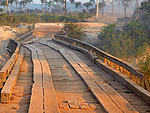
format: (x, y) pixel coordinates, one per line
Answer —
(105, 60)
(65, 7)
(142, 83)
(147, 84)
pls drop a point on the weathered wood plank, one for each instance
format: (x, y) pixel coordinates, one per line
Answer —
(116, 97)
(84, 105)
(50, 45)
(73, 104)
(36, 101)
(50, 98)
(12, 79)
(4, 72)
(64, 105)
(101, 96)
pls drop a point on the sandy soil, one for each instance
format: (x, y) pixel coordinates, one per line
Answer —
(7, 32)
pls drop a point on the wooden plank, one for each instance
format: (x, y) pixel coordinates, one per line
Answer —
(92, 106)
(56, 48)
(84, 106)
(11, 81)
(116, 97)
(50, 98)
(38, 50)
(4, 72)
(99, 94)
(31, 41)
(36, 101)
(25, 40)
(63, 105)
(73, 104)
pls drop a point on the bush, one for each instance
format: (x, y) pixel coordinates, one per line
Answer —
(33, 18)
(74, 31)
(145, 66)
(129, 42)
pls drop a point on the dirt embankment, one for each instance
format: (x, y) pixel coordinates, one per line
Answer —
(6, 32)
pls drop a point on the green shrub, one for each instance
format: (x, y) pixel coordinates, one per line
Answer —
(34, 18)
(131, 41)
(74, 31)
(145, 66)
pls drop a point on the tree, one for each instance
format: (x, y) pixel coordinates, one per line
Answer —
(71, 1)
(4, 4)
(16, 2)
(26, 2)
(118, 2)
(65, 7)
(11, 2)
(22, 4)
(42, 1)
(29, 1)
(102, 5)
(145, 7)
(57, 1)
(97, 12)
(74, 31)
(80, 7)
(125, 4)
(131, 41)
(92, 1)
(7, 7)
(88, 4)
(77, 4)
(112, 7)
(62, 2)
(137, 7)
(1, 10)
(50, 4)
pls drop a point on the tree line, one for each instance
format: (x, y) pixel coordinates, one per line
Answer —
(62, 5)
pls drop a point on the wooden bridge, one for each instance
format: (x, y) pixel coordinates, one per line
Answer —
(55, 74)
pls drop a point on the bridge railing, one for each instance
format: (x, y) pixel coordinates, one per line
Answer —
(115, 63)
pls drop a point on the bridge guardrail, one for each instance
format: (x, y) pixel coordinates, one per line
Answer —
(13, 48)
(22, 37)
(117, 64)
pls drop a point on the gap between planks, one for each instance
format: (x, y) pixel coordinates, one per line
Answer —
(112, 101)
(50, 99)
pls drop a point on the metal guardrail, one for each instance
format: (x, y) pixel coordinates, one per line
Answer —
(115, 63)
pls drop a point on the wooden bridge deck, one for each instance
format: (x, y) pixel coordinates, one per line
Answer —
(67, 81)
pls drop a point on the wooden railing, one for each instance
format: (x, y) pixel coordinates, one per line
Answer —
(24, 36)
(5, 71)
(13, 48)
(114, 63)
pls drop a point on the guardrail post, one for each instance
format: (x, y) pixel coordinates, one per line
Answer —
(1, 83)
(147, 84)
(105, 60)
(127, 73)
